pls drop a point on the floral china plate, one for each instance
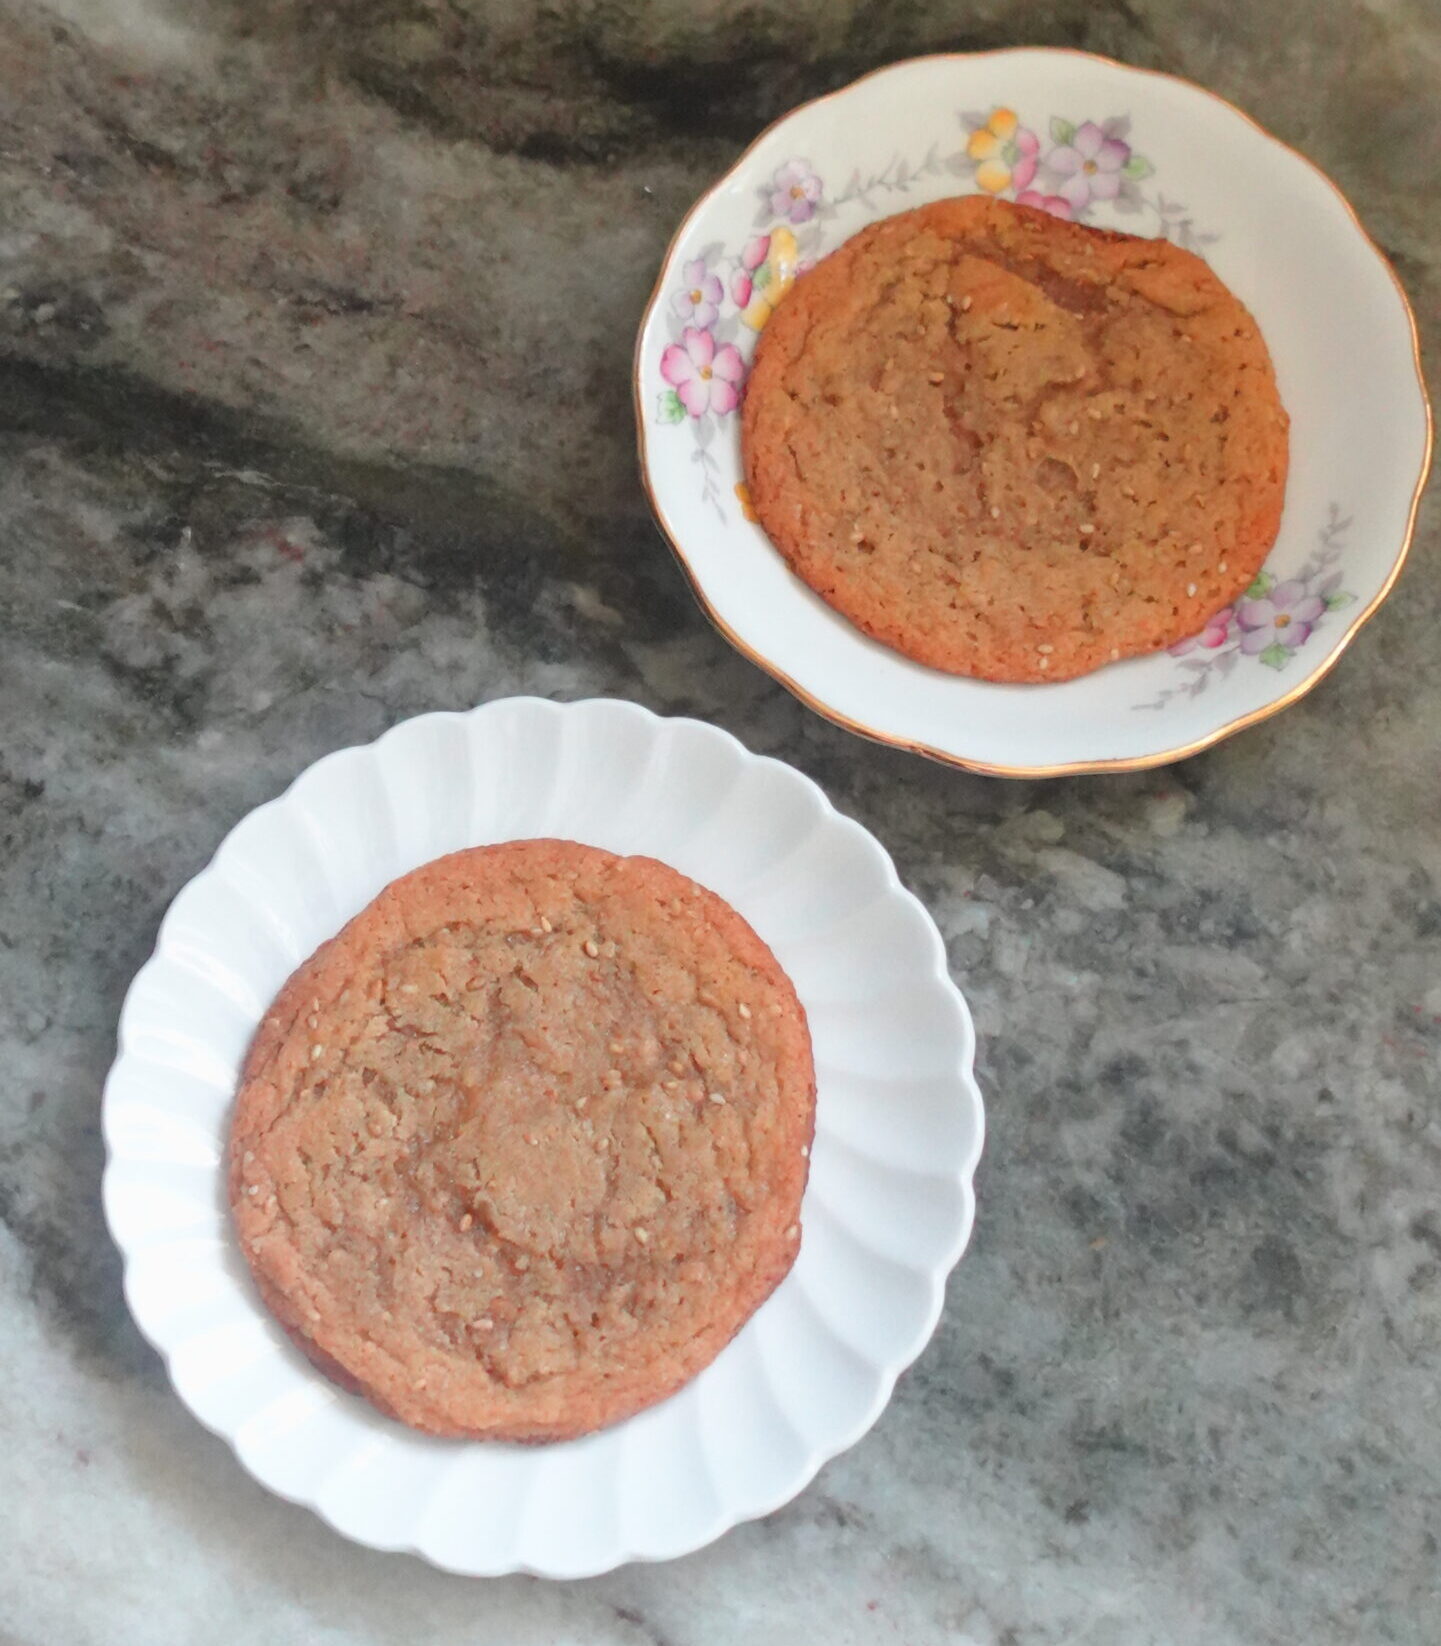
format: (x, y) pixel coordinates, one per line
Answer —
(886, 1214)
(1095, 142)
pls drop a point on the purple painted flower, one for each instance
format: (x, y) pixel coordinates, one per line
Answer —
(699, 296)
(704, 377)
(1089, 166)
(1283, 616)
(795, 190)
(1216, 633)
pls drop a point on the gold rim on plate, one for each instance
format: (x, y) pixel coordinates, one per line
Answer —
(1072, 768)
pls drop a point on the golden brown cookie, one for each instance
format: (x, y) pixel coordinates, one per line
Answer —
(1014, 447)
(520, 1150)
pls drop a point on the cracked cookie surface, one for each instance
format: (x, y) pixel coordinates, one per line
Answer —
(1013, 447)
(519, 1151)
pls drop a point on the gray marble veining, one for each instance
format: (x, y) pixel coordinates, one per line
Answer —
(315, 325)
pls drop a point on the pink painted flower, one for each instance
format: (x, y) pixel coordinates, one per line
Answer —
(1283, 616)
(699, 296)
(1004, 151)
(704, 377)
(1216, 633)
(768, 269)
(743, 279)
(1056, 204)
(795, 191)
(1089, 165)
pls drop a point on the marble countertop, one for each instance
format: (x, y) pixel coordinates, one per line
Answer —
(315, 324)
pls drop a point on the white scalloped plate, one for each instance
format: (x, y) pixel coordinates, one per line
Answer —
(1182, 163)
(886, 1215)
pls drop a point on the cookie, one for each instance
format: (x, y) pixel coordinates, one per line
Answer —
(518, 1152)
(1013, 447)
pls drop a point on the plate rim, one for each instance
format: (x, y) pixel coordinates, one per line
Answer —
(888, 1371)
(944, 757)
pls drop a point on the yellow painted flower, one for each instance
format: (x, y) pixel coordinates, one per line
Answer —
(769, 266)
(1005, 152)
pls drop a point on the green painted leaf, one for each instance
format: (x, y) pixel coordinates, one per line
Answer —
(1262, 586)
(1274, 656)
(1062, 131)
(763, 276)
(1137, 167)
(1335, 601)
(668, 408)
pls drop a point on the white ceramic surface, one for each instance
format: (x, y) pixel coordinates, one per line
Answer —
(1110, 145)
(886, 1215)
